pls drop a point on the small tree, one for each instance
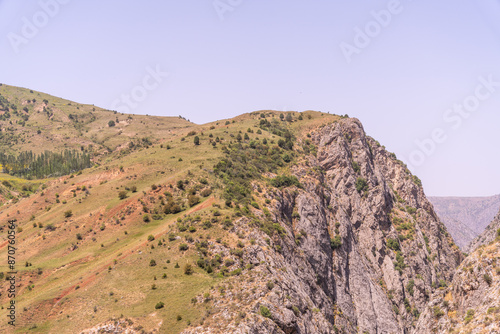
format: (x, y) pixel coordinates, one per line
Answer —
(111, 124)
(188, 269)
(196, 140)
(122, 194)
(193, 200)
(289, 117)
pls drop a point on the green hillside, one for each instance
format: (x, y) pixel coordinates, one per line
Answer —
(116, 239)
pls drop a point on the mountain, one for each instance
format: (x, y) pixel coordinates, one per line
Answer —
(269, 222)
(489, 235)
(466, 217)
(471, 303)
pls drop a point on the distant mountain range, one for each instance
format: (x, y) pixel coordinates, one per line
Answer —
(466, 217)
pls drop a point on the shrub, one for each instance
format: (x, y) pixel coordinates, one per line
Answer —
(79, 236)
(264, 311)
(183, 247)
(50, 227)
(188, 269)
(469, 316)
(410, 286)
(282, 181)
(236, 272)
(393, 244)
(68, 213)
(152, 263)
(151, 237)
(361, 185)
(196, 140)
(487, 278)
(159, 305)
(206, 192)
(437, 312)
(336, 242)
(237, 252)
(193, 200)
(133, 189)
(111, 123)
(122, 194)
(356, 167)
(146, 218)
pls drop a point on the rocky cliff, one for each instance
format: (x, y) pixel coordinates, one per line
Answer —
(471, 304)
(356, 247)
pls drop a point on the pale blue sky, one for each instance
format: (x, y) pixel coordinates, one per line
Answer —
(424, 59)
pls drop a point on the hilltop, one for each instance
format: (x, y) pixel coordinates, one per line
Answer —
(275, 222)
(35, 121)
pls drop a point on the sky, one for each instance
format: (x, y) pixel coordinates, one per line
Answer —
(422, 76)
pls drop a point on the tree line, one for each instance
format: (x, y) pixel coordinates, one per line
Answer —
(29, 165)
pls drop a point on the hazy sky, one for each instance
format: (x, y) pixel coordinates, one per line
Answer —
(423, 76)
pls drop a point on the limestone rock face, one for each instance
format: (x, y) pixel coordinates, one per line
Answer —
(471, 304)
(359, 248)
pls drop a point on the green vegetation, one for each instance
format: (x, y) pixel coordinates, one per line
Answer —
(264, 311)
(336, 242)
(410, 286)
(361, 185)
(393, 244)
(437, 312)
(399, 264)
(30, 165)
(248, 160)
(282, 181)
(469, 316)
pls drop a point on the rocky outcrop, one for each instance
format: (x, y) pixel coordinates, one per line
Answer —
(489, 234)
(358, 248)
(471, 304)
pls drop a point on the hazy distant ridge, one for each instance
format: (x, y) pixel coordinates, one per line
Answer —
(466, 217)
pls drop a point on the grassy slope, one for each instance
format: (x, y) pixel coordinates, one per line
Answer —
(79, 283)
(88, 125)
